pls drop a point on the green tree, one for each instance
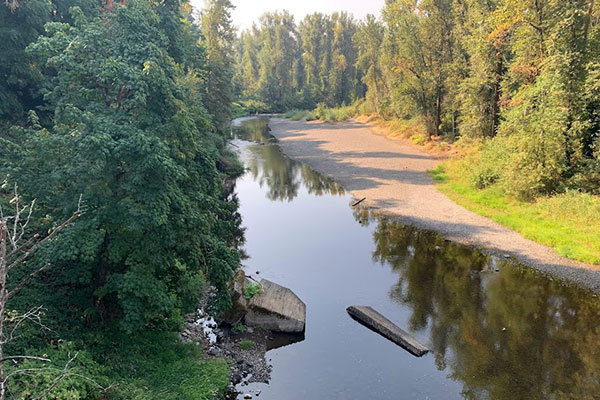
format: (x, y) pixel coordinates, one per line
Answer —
(368, 40)
(219, 34)
(278, 58)
(129, 133)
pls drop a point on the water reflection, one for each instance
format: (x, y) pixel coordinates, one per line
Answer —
(497, 331)
(252, 130)
(505, 332)
(270, 167)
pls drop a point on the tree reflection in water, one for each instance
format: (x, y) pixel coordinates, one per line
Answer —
(269, 166)
(504, 331)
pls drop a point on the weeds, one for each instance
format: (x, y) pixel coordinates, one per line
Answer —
(251, 290)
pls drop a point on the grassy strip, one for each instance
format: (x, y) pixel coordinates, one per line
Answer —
(299, 115)
(155, 366)
(569, 222)
(338, 114)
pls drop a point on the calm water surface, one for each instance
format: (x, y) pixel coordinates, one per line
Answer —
(498, 331)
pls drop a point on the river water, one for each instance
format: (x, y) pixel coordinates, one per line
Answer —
(498, 331)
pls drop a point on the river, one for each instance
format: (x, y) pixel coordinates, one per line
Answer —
(498, 331)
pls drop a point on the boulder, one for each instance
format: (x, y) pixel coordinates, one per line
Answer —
(276, 308)
(239, 303)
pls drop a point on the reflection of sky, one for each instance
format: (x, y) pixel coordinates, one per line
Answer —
(499, 332)
(248, 11)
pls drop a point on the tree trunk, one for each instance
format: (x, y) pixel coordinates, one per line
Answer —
(3, 296)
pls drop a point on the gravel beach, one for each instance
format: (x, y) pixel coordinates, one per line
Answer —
(393, 177)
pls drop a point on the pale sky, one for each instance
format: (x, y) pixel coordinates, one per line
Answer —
(248, 11)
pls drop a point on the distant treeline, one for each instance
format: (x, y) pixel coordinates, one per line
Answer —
(298, 66)
(524, 72)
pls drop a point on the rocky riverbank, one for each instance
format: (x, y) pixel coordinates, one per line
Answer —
(264, 316)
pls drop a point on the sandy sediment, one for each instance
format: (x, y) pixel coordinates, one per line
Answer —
(393, 176)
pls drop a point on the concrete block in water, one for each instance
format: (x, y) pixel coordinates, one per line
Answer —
(386, 328)
(277, 309)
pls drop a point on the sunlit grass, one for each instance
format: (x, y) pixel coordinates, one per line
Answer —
(569, 222)
(337, 114)
(300, 115)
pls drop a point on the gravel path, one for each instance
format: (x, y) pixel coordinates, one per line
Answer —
(392, 176)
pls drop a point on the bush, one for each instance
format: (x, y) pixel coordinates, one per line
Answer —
(251, 290)
(419, 139)
(86, 379)
(338, 114)
(155, 365)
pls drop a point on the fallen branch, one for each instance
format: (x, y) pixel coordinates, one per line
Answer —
(358, 202)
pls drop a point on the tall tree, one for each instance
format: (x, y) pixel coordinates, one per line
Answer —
(218, 37)
(368, 39)
(129, 133)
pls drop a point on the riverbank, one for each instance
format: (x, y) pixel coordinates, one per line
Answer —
(393, 178)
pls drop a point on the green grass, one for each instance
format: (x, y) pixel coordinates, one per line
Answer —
(569, 222)
(156, 366)
(246, 344)
(299, 115)
(239, 328)
(338, 114)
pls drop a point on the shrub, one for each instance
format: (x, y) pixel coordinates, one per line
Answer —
(251, 290)
(338, 114)
(419, 139)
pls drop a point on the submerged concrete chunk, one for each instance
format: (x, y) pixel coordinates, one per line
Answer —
(386, 328)
(276, 308)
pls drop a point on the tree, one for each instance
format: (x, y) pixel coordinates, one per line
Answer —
(368, 39)
(278, 58)
(218, 37)
(130, 133)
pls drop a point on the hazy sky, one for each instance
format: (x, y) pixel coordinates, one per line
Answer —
(248, 11)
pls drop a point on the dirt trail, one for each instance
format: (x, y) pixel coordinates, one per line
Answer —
(393, 177)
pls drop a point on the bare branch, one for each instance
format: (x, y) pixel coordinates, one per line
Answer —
(23, 247)
(39, 244)
(33, 315)
(26, 280)
(63, 375)
(26, 358)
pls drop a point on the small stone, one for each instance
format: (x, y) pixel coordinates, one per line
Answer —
(257, 272)
(236, 378)
(247, 396)
(212, 352)
(503, 329)
(437, 248)
(507, 256)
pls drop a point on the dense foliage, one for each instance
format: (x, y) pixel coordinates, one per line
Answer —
(125, 104)
(520, 72)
